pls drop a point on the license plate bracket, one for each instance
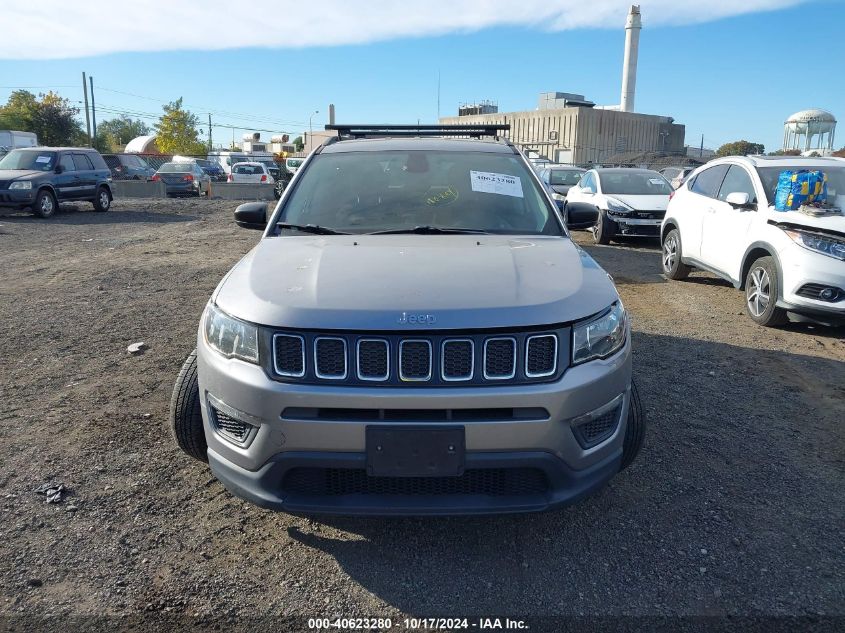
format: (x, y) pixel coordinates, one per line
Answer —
(415, 451)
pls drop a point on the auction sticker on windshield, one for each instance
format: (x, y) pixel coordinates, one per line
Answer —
(502, 184)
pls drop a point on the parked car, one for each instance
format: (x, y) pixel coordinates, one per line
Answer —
(183, 179)
(618, 202)
(559, 178)
(128, 167)
(676, 175)
(293, 164)
(212, 168)
(41, 178)
(272, 168)
(13, 139)
(251, 172)
(790, 264)
(395, 344)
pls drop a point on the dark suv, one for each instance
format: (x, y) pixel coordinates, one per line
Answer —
(128, 167)
(41, 178)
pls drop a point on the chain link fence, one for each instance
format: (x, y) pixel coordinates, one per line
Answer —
(144, 166)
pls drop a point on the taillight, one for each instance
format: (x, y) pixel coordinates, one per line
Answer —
(229, 178)
(188, 178)
(264, 178)
(155, 178)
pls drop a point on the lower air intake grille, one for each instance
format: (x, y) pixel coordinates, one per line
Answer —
(336, 482)
(229, 427)
(814, 291)
(595, 431)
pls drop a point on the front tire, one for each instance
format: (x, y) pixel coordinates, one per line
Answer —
(102, 201)
(673, 267)
(45, 204)
(634, 430)
(604, 230)
(185, 412)
(762, 289)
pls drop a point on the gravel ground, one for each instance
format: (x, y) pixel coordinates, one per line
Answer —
(734, 508)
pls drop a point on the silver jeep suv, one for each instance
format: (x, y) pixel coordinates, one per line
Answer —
(415, 333)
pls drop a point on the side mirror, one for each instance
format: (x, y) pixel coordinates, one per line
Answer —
(59, 169)
(739, 200)
(252, 215)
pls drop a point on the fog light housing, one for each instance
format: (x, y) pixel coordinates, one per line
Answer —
(232, 425)
(597, 426)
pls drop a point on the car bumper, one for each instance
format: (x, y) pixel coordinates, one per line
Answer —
(187, 189)
(319, 466)
(17, 198)
(637, 227)
(801, 268)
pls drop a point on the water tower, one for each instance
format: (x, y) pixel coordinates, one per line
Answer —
(801, 127)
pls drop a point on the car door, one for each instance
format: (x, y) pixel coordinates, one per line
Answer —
(724, 228)
(697, 202)
(87, 178)
(66, 183)
(581, 201)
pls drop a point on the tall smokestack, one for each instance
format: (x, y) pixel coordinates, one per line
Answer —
(633, 25)
(331, 114)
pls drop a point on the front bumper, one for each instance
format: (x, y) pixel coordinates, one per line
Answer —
(636, 227)
(801, 267)
(294, 464)
(17, 198)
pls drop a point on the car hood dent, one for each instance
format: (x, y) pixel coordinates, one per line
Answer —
(642, 203)
(834, 224)
(367, 282)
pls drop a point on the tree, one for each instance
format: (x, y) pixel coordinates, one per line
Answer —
(115, 133)
(176, 131)
(51, 117)
(740, 148)
(298, 144)
(786, 152)
(840, 153)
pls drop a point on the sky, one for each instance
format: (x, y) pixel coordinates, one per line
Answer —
(726, 69)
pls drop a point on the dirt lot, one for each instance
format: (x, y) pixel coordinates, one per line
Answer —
(735, 506)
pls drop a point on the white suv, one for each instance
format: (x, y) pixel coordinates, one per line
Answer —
(723, 220)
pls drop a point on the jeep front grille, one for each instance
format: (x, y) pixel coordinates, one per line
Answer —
(441, 359)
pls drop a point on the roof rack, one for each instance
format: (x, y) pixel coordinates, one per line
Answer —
(371, 131)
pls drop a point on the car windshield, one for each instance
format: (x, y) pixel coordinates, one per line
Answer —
(29, 160)
(635, 183)
(835, 180)
(247, 169)
(564, 176)
(364, 192)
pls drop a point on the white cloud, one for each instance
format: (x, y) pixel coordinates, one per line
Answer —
(51, 29)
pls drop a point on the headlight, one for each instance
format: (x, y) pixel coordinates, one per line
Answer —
(617, 207)
(21, 184)
(819, 243)
(600, 337)
(559, 196)
(229, 336)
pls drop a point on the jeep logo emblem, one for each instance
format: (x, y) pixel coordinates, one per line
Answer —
(417, 319)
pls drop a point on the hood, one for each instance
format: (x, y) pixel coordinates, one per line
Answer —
(13, 174)
(834, 223)
(642, 203)
(361, 282)
(561, 189)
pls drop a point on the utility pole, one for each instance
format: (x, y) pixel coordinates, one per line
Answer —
(93, 112)
(209, 131)
(701, 149)
(87, 119)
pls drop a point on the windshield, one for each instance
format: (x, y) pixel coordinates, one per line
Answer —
(363, 192)
(835, 179)
(634, 183)
(28, 160)
(564, 177)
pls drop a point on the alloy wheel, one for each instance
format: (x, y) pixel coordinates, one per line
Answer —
(670, 253)
(757, 293)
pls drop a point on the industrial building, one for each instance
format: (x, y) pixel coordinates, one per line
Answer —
(568, 128)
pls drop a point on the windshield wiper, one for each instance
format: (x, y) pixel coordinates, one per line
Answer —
(430, 230)
(310, 228)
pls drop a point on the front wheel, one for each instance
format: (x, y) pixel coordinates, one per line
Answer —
(102, 202)
(673, 267)
(634, 430)
(45, 204)
(762, 288)
(185, 412)
(604, 230)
